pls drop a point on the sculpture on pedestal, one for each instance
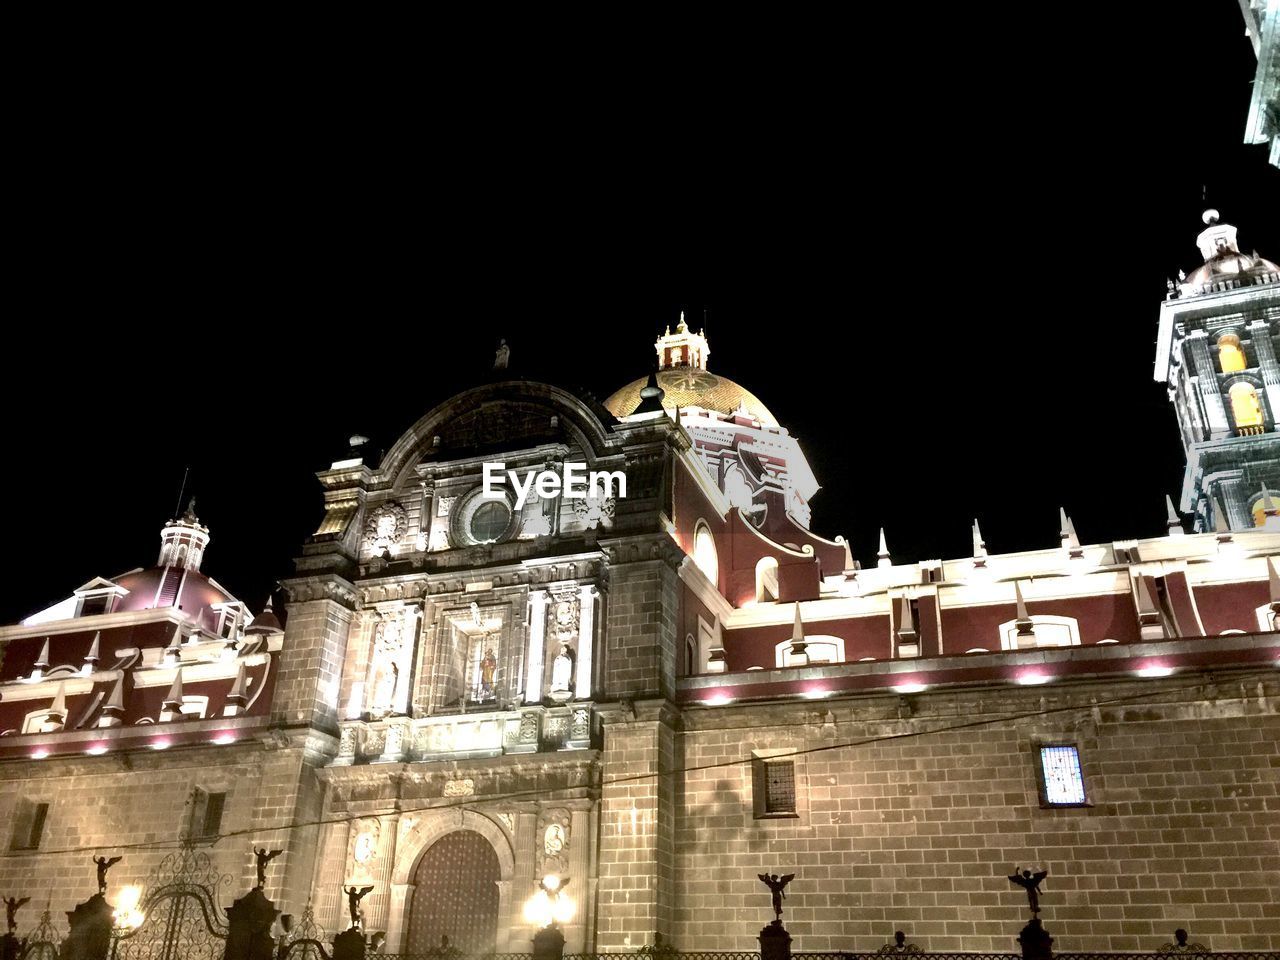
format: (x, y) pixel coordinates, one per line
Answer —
(354, 896)
(103, 866)
(11, 907)
(1031, 883)
(264, 857)
(777, 885)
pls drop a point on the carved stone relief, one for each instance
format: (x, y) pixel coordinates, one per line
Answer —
(554, 835)
(384, 527)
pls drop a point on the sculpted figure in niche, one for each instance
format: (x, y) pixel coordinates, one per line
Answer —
(385, 672)
(553, 842)
(488, 667)
(562, 670)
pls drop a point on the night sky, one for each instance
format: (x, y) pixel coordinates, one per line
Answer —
(935, 249)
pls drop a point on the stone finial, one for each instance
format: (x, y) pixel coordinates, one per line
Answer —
(42, 661)
(113, 710)
(884, 560)
(1269, 509)
(1067, 533)
(237, 699)
(1174, 521)
(59, 705)
(979, 547)
(1273, 583)
(91, 658)
(171, 709)
(798, 646)
(1026, 627)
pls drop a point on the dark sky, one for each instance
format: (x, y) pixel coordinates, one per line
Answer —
(936, 248)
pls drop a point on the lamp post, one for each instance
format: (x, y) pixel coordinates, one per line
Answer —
(547, 910)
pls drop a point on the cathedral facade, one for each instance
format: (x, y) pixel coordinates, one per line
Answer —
(656, 689)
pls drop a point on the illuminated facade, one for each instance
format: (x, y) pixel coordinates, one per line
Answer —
(656, 697)
(1262, 26)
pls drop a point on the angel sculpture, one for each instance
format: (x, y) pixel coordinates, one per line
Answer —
(1031, 883)
(264, 857)
(776, 885)
(103, 866)
(11, 906)
(354, 896)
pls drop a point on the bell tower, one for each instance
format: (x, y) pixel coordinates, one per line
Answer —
(1217, 349)
(182, 541)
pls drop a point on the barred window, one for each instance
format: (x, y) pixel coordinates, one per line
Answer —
(774, 788)
(1061, 776)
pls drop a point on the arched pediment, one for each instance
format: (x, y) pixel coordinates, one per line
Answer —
(496, 417)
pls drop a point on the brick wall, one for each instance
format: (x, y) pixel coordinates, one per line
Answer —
(640, 634)
(308, 686)
(921, 833)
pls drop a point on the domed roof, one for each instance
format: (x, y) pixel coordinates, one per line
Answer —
(187, 589)
(692, 387)
(1232, 266)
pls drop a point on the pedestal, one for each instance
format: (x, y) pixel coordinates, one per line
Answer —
(249, 922)
(548, 943)
(90, 934)
(1035, 941)
(775, 942)
(10, 947)
(349, 945)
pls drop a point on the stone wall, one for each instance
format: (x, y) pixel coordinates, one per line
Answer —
(106, 803)
(920, 833)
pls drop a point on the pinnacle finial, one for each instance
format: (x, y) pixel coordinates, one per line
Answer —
(979, 545)
(1173, 521)
(797, 631)
(174, 695)
(59, 705)
(883, 555)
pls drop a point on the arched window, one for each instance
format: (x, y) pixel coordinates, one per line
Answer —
(704, 552)
(1230, 353)
(1246, 408)
(767, 579)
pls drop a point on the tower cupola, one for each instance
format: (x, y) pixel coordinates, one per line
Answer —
(682, 348)
(183, 540)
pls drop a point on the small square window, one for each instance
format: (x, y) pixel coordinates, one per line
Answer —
(1061, 776)
(775, 788)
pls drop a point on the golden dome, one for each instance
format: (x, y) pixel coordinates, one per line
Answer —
(692, 387)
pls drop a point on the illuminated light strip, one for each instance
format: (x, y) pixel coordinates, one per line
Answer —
(911, 687)
(39, 754)
(224, 738)
(160, 745)
(1032, 679)
(719, 700)
(1154, 671)
(97, 750)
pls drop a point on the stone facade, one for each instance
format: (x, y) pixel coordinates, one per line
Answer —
(658, 697)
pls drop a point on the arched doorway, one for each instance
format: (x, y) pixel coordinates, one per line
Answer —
(455, 894)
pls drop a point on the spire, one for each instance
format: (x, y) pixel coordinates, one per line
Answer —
(651, 395)
(59, 705)
(113, 711)
(42, 661)
(979, 547)
(1269, 509)
(906, 626)
(798, 647)
(884, 560)
(237, 699)
(1174, 521)
(1220, 525)
(1022, 618)
(1273, 583)
(171, 709)
(91, 658)
(1067, 533)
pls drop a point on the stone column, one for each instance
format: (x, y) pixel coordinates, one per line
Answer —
(328, 906)
(1264, 349)
(579, 866)
(537, 639)
(377, 906)
(586, 640)
(1235, 500)
(1196, 348)
(398, 918)
(426, 513)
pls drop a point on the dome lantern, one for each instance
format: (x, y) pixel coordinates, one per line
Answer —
(183, 540)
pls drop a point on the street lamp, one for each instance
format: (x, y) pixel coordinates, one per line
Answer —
(127, 917)
(547, 910)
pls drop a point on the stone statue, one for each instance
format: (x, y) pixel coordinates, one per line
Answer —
(562, 669)
(385, 673)
(103, 866)
(264, 857)
(777, 885)
(11, 907)
(501, 356)
(488, 667)
(354, 896)
(1031, 883)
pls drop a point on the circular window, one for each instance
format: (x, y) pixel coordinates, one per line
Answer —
(490, 521)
